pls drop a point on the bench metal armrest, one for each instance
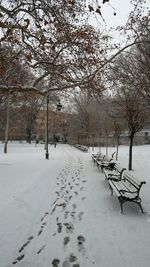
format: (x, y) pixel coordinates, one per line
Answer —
(127, 191)
(113, 174)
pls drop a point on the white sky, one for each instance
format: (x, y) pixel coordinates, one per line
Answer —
(122, 9)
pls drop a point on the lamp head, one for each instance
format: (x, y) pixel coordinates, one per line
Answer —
(59, 106)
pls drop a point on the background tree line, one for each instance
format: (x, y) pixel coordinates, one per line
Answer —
(50, 48)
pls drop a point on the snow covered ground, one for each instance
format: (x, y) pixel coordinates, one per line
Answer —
(59, 212)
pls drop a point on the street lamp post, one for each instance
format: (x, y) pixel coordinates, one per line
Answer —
(59, 106)
(46, 147)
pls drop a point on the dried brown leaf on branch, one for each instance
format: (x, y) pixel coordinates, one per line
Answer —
(98, 11)
(90, 8)
(104, 1)
(29, 57)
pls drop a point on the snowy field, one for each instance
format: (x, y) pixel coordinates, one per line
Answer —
(59, 212)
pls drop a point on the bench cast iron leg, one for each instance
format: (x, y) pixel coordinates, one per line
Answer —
(141, 207)
(121, 201)
(139, 203)
(111, 190)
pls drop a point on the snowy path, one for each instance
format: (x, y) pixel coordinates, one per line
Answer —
(60, 213)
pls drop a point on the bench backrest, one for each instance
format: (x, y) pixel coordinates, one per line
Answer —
(133, 181)
(101, 157)
(119, 169)
(84, 148)
(105, 158)
(113, 154)
(96, 155)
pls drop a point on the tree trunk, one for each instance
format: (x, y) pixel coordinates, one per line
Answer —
(107, 145)
(99, 142)
(131, 137)
(7, 125)
(29, 134)
(88, 143)
(117, 149)
(93, 143)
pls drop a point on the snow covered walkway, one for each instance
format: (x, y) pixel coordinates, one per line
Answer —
(59, 212)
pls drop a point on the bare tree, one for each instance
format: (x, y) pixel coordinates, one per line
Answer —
(48, 37)
(128, 97)
(118, 124)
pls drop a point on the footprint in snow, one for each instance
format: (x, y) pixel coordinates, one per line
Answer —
(45, 214)
(73, 214)
(69, 227)
(71, 261)
(81, 188)
(66, 240)
(43, 225)
(19, 258)
(59, 225)
(24, 245)
(81, 239)
(80, 214)
(74, 206)
(40, 232)
(55, 262)
(66, 214)
(53, 209)
(40, 250)
(72, 258)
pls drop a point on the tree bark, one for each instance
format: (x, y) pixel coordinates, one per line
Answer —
(99, 142)
(131, 137)
(107, 145)
(117, 149)
(29, 134)
(7, 125)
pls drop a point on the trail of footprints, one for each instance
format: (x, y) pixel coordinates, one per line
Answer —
(67, 190)
(70, 189)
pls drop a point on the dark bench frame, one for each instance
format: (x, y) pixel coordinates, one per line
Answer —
(127, 189)
(108, 162)
(96, 156)
(81, 147)
(113, 171)
(99, 160)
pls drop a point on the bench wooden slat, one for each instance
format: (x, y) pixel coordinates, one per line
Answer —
(126, 189)
(115, 173)
(81, 147)
(99, 160)
(128, 177)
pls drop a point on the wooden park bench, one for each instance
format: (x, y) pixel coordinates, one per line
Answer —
(126, 189)
(113, 171)
(99, 160)
(95, 156)
(81, 147)
(108, 163)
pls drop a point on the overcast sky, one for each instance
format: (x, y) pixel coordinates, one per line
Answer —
(122, 9)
